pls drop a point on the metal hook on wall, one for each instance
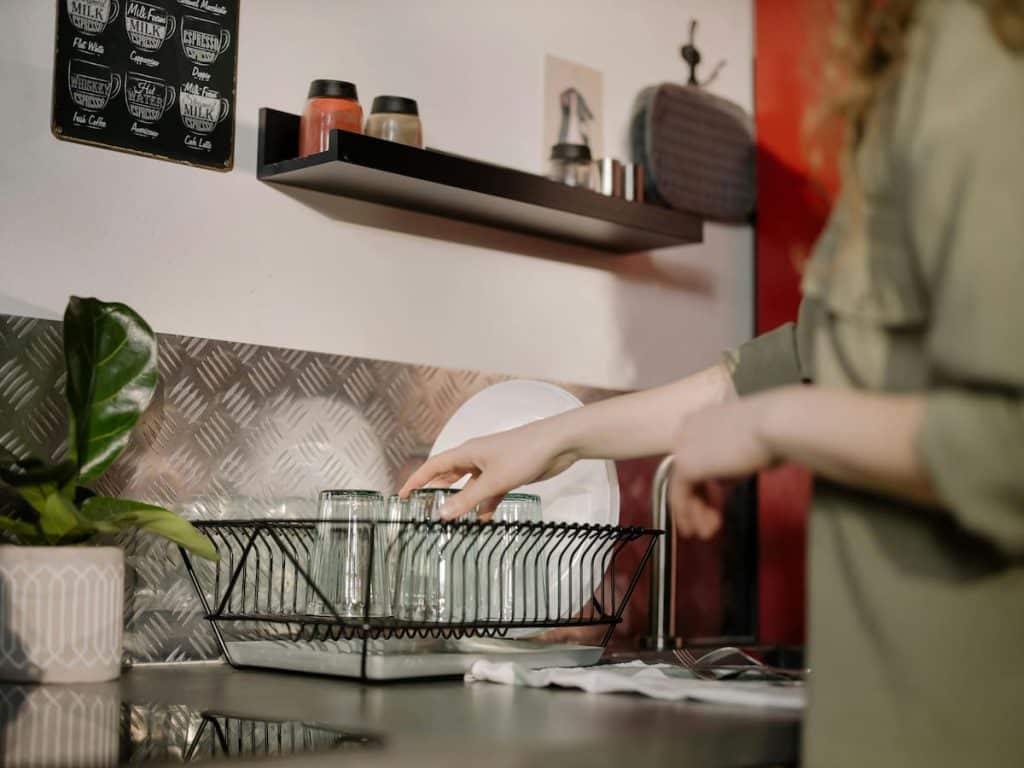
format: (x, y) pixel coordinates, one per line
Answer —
(693, 58)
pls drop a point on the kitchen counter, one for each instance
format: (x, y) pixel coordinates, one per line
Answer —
(164, 712)
(453, 723)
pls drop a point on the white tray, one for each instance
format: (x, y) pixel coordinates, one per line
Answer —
(404, 659)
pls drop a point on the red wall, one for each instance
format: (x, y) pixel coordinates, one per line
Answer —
(793, 203)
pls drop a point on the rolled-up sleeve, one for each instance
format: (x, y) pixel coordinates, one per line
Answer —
(967, 227)
(777, 358)
(972, 446)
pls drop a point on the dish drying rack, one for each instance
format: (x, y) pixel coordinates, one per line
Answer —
(257, 597)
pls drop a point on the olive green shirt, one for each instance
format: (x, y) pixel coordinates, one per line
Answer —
(916, 615)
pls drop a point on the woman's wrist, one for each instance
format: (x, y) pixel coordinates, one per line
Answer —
(724, 386)
(566, 433)
(777, 412)
(640, 423)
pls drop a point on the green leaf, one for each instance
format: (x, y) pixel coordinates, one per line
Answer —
(47, 489)
(122, 513)
(60, 517)
(26, 532)
(57, 515)
(111, 359)
(25, 472)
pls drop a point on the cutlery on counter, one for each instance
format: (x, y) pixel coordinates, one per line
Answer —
(730, 663)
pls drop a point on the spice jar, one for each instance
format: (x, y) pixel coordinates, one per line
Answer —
(570, 164)
(395, 118)
(331, 104)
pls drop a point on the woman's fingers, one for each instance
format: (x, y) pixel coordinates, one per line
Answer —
(708, 519)
(475, 492)
(445, 469)
(449, 465)
(692, 512)
(447, 480)
(485, 510)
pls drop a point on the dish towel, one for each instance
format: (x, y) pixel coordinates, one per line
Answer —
(659, 681)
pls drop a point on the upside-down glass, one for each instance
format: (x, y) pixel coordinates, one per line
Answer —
(436, 572)
(396, 513)
(507, 572)
(341, 561)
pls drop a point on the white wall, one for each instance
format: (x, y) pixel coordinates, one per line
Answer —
(225, 256)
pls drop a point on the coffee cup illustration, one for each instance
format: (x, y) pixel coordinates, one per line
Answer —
(147, 97)
(91, 16)
(147, 25)
(92, 85)
(202, 113)
(203, 40)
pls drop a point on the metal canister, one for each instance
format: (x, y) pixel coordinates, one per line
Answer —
(634, 182)
(610, 178)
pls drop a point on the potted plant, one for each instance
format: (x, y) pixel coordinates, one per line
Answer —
(61, 591)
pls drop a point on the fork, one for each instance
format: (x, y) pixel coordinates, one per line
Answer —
(705, 668)
(691, 662)
(685, 657)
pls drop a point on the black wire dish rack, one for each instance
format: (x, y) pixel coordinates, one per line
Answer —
(396, 600)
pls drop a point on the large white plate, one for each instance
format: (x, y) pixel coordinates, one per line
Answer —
(587, 492)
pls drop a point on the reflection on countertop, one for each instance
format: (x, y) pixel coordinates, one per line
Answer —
(91, 726)
(155, 714)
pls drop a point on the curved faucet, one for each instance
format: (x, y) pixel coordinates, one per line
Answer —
(662, 617)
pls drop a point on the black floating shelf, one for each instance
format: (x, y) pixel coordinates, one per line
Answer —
(459, 188)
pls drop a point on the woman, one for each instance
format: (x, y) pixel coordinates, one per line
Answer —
(912, 333)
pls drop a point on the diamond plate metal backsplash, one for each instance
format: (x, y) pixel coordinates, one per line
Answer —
(235, 430)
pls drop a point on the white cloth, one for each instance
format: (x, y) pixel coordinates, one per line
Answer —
(659, 681)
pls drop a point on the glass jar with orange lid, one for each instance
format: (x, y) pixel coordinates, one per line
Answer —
(331, 104)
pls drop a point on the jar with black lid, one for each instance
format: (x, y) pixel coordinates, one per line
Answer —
(570, 164)
(332, 104)
(395, 118)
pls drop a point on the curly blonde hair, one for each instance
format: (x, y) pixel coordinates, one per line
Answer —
(867, 48)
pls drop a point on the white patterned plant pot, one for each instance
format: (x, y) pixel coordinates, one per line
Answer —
(61, 613)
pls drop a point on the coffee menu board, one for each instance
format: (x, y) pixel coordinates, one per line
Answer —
(153, 77)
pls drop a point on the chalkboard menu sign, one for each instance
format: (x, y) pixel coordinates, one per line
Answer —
(153, 77)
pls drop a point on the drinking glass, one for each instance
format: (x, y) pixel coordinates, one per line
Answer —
(410, 555)
(341, 561)
(396, 515)
(507, 574)
(436, 570)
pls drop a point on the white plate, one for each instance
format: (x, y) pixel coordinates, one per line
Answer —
(587, 492)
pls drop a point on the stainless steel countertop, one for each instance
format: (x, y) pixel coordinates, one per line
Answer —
(453, 723)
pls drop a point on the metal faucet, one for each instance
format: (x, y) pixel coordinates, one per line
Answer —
(661, 634)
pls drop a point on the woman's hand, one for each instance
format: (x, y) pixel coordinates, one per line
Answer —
(623, 427)
(724, 442)
(497, 463)
(866, 440)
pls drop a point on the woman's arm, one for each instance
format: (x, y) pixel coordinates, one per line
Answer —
(638, 424)
(860, 439)
(642, 423)
(856, 438)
